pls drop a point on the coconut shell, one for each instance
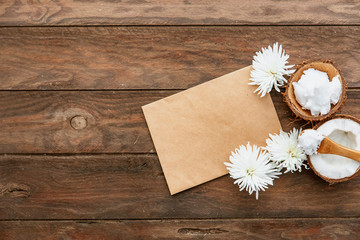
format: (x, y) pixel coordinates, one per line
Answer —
(325, 66)
(331, 180)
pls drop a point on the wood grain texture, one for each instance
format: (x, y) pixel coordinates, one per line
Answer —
(43, 121)
(133, 187)
(177, 12)
(158, 57)
(229, 229)
(102, 178)
(96, 121)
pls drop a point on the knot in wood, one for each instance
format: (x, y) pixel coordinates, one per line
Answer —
(78, 122)
(15, 190)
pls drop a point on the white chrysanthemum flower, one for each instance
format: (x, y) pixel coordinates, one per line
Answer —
(269, 68)
(252, 169)
(285, 152)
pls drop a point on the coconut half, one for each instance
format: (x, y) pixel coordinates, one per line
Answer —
(332, 71)
(344, 130)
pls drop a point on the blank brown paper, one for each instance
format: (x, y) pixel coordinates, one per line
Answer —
(195, 131)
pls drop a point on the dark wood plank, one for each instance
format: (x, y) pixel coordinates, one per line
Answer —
(158, 57)
(229, 229)
(153, 12)
(75, 122)
(95, 121)
(133, 187)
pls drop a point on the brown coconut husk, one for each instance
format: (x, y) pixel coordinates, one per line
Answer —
(327, 66)
(331, 180)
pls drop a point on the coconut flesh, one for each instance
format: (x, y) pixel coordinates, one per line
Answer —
(315, 92)
(310, 140)
(334, 167)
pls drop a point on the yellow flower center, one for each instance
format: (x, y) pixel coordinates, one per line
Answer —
(291, 152)
(250, 172)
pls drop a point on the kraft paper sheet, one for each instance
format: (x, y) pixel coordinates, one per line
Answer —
(195, 131)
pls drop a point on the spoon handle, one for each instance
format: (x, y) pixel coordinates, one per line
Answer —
(328, 146)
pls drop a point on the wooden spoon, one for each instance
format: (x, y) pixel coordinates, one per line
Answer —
(328, 146)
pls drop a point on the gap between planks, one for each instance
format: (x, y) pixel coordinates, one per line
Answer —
(351, 88)
(180, 26)
(80, 220)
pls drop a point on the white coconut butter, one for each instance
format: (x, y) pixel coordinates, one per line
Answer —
(316, 93)
(309, 141)
(345, 132)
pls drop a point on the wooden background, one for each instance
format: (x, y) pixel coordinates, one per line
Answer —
(77, 160)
